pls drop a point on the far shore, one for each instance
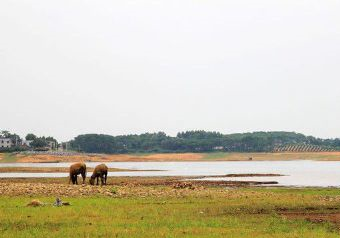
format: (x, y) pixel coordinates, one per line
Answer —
(170, 157)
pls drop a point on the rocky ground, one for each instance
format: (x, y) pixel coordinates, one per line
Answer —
(117, 187)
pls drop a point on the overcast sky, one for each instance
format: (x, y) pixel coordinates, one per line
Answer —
(70, 67)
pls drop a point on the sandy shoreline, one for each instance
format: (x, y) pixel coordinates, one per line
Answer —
(171, 157)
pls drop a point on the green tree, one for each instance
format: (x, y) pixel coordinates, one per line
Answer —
(30, 136)
(5, 134)
(39, 143)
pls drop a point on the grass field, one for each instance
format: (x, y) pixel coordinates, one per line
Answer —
(247, 212)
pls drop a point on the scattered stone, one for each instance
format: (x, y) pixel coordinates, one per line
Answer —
(35, 203)
(58, 202)
(183, 185)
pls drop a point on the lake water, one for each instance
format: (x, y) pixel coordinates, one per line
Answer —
(297, 173)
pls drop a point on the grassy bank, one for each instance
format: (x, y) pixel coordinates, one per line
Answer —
(8, 158)
(252, 212)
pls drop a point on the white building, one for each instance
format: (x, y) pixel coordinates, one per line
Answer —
(5, 142)
(27, 143)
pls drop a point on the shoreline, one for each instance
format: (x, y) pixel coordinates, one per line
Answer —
(164, 157)
(60, 186)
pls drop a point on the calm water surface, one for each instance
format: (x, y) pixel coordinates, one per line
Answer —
(297, 173)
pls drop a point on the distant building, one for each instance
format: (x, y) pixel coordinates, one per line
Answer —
(5, 142)
(26, 143)
(218, 148)
(52, 145)
(64, 146)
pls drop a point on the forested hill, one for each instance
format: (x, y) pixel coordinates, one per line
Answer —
(202, 141)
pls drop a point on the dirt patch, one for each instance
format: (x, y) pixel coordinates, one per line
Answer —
(47, 158)
(35, 203)
(175, 157)
(315, 217)
(41, 158)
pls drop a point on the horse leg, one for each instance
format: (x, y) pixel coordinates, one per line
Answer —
(76, 179)
(84, 177)
(97, 180)
(102, 179)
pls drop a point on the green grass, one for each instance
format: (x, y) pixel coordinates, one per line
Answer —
(246, 213)
(8, 158)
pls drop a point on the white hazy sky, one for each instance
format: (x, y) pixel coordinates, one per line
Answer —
(70, 67)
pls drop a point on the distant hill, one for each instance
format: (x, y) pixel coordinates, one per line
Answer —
(203, 141)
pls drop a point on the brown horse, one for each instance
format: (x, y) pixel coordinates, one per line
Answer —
(99, 171)
(75, 169)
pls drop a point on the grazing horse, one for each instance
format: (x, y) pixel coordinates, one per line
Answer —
(75, 169)
(99, 171)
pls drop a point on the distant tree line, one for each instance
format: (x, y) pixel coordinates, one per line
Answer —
(196, 141)
(18, 143)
